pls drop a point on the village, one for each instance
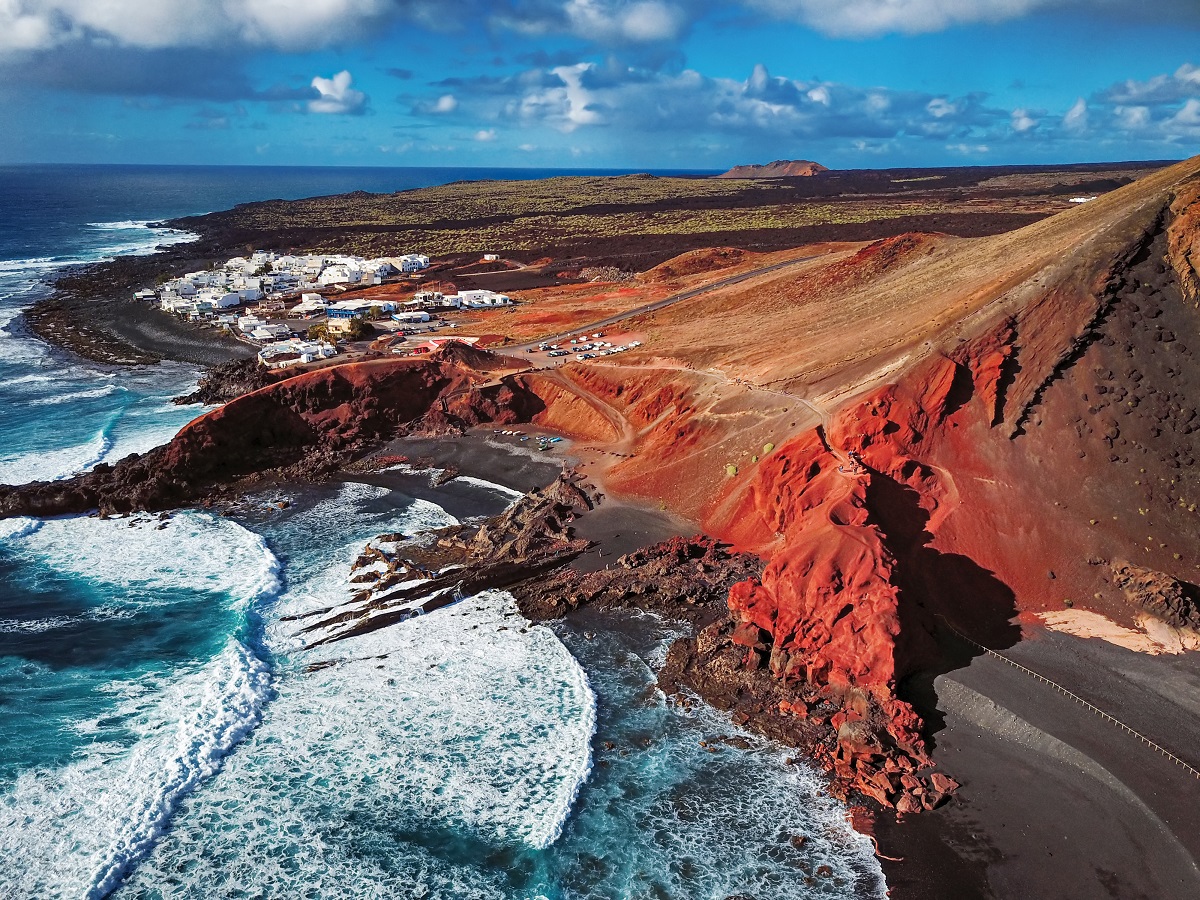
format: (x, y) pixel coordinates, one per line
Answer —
(305, 309)
(292, 309)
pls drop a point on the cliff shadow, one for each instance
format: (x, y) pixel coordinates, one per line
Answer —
(939, 593)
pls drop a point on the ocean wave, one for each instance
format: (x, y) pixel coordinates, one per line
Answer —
(489, 486)
(466, 725)
(123, 225)
(76, 831)
(19, 527)
(55, 465)
(33, 264)
(50, 623)
(87, 394)
(195, 551)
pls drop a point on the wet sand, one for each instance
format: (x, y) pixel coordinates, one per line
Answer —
(617, 525)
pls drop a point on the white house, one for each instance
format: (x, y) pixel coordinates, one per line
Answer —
(479, 299)
(413, 262)
(345, 309)
(247, 324)
(218, 299)
(310, 304)
(271, 332)
(340, 273)
(413, 316)
(293, 352)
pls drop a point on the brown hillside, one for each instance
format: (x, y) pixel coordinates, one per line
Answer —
(781, 168)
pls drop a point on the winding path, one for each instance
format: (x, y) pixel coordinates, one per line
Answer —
(659, 304)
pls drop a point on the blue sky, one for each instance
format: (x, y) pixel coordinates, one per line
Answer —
(697, 84)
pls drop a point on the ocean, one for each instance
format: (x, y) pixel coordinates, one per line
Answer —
(167, 735)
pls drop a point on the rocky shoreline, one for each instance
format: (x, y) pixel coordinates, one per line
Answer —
(530, 549)
(91, 312)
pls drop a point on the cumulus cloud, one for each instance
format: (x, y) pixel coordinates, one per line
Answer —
(1023, 121)
(302, 25)
(869, 18)
(485, 135)
(632, 101)
(1076, 118)
(1174, 88)
(862, 18)
(600, 21)
(336, 96)
(1163, 108)
(153, 24)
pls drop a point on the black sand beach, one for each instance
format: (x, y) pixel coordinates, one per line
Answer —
(1055, 800)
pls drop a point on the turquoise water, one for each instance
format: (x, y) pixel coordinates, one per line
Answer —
(168, 732)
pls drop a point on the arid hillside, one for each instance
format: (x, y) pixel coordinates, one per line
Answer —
(936, 444)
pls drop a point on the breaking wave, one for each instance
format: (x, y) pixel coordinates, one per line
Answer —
(77, 829)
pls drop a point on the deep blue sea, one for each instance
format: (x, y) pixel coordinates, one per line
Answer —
(166, 735)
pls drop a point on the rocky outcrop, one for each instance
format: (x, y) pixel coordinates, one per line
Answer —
(1184, 239)
(1167, 598)
(684, 579)
(781, 168)
(533, 539)
(228, 381)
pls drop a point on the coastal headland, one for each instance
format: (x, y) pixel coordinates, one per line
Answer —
(945, 478)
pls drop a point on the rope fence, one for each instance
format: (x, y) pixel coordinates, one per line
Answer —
(1191, 770)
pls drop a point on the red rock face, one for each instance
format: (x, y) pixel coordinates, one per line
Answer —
(1001, 476)
(302, 427)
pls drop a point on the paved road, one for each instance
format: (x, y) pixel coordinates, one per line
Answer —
(654, 307)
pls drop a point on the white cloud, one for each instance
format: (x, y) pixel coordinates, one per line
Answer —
(1076, 118)
(870, 18)
(1132, 118)
(485, 135)
(969, 149)
(940, 107)
(1023, 121)
(600, 21)
(1185, 122)
(336, 95)
(154, 24)
(565, 103)
(1174, 88)
(862, 18)
(447, 103)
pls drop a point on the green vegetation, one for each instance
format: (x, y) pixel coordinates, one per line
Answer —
(626, 215)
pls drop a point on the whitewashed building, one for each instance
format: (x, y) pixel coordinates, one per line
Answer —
(295, 351)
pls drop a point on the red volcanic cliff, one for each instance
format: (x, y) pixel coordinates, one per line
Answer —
(1002, 473)
(303, 426)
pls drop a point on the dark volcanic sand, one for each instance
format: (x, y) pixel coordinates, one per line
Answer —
(617, 526)
(1057, 802)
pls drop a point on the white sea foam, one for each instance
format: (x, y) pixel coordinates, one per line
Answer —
(489, 717)
(490, 486)
(77, 829)
(459, 721)
(34, 264)
(50, 623)
(86, 394)
(19, 527)
(196, 550)
(123, 225)
(54, 465)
